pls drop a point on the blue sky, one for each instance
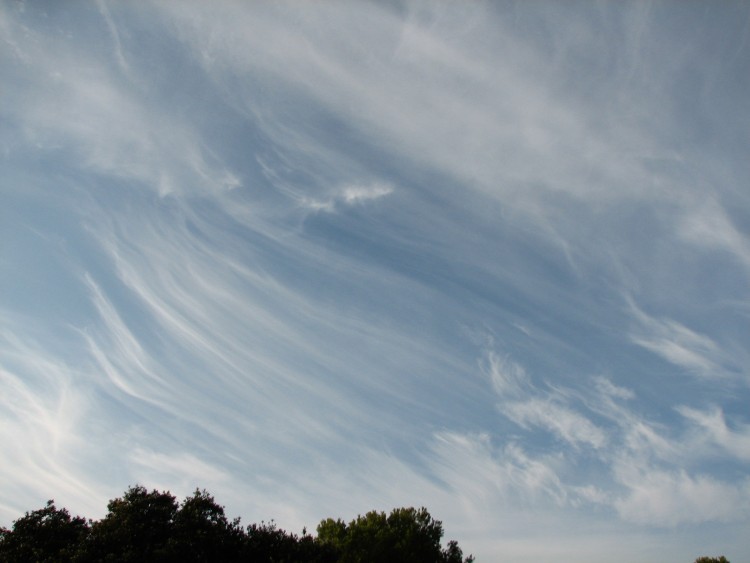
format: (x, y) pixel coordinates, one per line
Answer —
(322, 258)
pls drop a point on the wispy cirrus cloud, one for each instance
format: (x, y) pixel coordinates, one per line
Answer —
(670, 498)
(355, 194)
(567, 424)
(709, 225)
(45, 409)
(678, 344)
(647, 460)
(98, 117)
(714, 432)
(529, 407)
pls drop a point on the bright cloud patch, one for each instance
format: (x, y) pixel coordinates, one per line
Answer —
(673, 498)
(361, 194)
(349, 195)
(563, 422)
(679, 345)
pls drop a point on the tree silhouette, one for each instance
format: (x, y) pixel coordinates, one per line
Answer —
(202, 532)
(137, 527)
(150, 526)
(47, 534)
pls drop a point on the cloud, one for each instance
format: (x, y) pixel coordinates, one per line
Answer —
(356, 194)
(708, 225)
(648, 464)
(388, 79)
(104, 121)
(102, 5)
(360, 194)
(647, 459)
(44, 414)
(122, 343)
(474, 469)
(632, 435)
(610, 390)
(715, 432)
(528, 406)
(671, 498)
(565, 423)
(678, 344)
(508, 378)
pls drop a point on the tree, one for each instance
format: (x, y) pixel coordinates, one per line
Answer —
(704, 559)
(47, 534)
(148, 526)
(137, 527)
(405, 535)
(201, 531)
(266, 543)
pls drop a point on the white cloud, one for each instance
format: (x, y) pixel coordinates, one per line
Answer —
(565, 423)
(360, 194)
(484, 476)
(707, 224)
(712, 423)
(670, 498)
(45, 418)
(528, 406)
(355, 194)
(102, 5)
(508, 378)
(609, 389)
(417, 87)
(632, 435)
(640, 455)
(678, 344)
(534, 475)
(68, 99)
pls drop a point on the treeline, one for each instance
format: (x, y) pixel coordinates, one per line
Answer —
(144, 526)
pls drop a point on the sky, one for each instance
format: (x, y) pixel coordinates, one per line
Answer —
(490, 258)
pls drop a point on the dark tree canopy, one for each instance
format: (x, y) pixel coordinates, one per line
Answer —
(148, 526)
(203, 533)
(47, 534)
(704, 559)
(137, 527)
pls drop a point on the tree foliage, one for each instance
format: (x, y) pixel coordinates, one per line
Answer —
(704, 559)
(148, 526)
(137, 527)
(47, 534)
(405, 535)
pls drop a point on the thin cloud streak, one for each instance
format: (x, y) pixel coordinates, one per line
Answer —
(678, 344)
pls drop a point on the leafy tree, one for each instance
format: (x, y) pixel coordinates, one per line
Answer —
(202, 532)
(332, 532)
(148, 526)
(405, 535)
(269, 544)
(704, 559)
(47, 534)
(138, 527)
